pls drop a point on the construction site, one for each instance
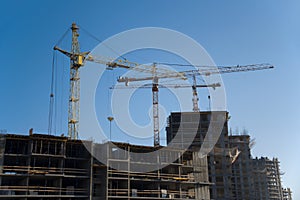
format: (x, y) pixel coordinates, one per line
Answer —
(38, 166)
(45, 166)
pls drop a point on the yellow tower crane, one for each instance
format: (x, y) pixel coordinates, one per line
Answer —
(78, 59)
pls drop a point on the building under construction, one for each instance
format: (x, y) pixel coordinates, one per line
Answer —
(233, 173)
(267, 180)
(39, 166)
(219, 161)
(49, 167)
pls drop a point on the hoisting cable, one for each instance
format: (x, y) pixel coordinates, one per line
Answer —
(52, 98)
(51, 102)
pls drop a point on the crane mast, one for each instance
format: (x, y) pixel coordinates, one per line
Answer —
(155, 112)
(155, 106)
(195, 95)
(76, 63)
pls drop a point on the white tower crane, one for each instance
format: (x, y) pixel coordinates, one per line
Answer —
(202, 70)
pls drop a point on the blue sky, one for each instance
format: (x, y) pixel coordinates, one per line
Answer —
(266, 103)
